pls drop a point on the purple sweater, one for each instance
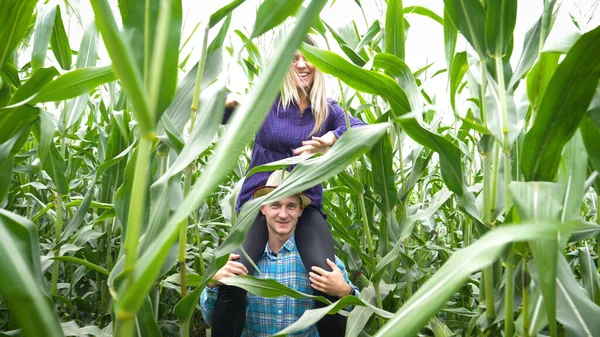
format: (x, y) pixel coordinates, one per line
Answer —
(282, 131)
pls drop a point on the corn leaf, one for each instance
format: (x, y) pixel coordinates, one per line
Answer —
(271, 13)
(562, 108)
(501, 17)
(442, 285)
(74, 83)
(60, 42)
(394, 29)
(44, 24)
(15, 17)
(21, 282)
(589, 274)
(469, 17)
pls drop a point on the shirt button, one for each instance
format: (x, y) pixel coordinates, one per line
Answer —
(279, 311)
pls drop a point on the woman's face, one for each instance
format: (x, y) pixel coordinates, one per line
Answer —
(305, 71)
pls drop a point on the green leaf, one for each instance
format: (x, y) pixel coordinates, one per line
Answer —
(442, 285)
(572, 178)
(590, 131)
(539, 77)
(271, 13)
(219, 40)
(123, 62)
(359, 317)
(60, 42)
(397, 69)
(469, 17)
(383, 175)
(146, 320)
(44, 25)
(186, 306)
(459, 67)
(82, 262)
(394, 29)
(15, 17)
(77, 220)
(375, 83)
(369, 35)
(32, 87)
(450, 37)
(438, 200)
(426, 12)
(87, 57)
(74, 83)
(499, 26)
(540, 202)
(223, 12)
(242, 127)
(589, 274)
(562, 108)
(21, 285)
(13, 121)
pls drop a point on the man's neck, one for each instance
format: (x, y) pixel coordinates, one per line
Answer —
(277, 241)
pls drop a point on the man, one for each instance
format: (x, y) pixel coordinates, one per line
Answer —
(281, 262)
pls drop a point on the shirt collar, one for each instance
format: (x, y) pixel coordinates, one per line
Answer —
(289, 245)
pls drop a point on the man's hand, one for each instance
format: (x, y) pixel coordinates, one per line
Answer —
(330, 282)
(230, 269)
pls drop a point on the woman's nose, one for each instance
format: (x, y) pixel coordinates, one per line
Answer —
(301, 63)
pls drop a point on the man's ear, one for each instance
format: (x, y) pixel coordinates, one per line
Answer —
(301, 210)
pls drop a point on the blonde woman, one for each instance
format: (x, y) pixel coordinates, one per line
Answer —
(301, 121)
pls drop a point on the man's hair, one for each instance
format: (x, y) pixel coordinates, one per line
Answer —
(317, 94)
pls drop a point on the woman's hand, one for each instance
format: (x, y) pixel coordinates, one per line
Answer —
(316, 144)
(329, 282)
(230, 269)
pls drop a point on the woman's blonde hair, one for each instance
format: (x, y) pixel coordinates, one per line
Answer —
(317, 94)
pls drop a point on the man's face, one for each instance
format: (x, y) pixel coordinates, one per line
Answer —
(282, 216)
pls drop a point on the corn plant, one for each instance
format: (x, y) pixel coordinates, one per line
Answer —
(119, 182)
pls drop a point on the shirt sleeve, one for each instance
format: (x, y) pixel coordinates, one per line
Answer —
(338, 120)
(208, 298)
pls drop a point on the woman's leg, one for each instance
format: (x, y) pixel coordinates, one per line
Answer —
(315, 244)
(229, 314)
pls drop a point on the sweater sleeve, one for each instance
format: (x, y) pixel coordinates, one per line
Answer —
(338, 120)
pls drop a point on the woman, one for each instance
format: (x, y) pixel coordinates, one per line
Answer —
(301, 121)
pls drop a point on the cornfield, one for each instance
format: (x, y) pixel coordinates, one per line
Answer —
(118, 181)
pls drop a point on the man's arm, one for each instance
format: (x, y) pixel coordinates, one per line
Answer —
(334, 283)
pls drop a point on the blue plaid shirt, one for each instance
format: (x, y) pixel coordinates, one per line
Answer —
(266, 316)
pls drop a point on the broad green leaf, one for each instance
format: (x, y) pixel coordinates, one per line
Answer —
(21, 285)
(44, 24)
(469, 17)
(10, 75)
(167, 64)
(219, 40)
(271, 13)
(82, 262)
(13, 121)
(47, 129)
(383, 176)
(123, 62)
(494, 119)
(353, 56)
(438, 200)
(397, 69)
(590, 132)
(60, 42)
(501, 17)
(375, 83)
(244, 124)
(359, 317)
(134, 15)
(426, 12)
(574, 310)
(394, 29)
(539, 77)
(562, 108)
(32, 87)
(573, 177)
(223, 12)
(77, 220)
(369, 35)
(540, 202)
(536, 315)
(74, 83)
(534, 41)
(146, 320)
(15, 17)
(450, 37)
(459, 67)
(87, 57)
(280, 164)
(186, 306)
(589, 274)
(442, 285)
(179, 111)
